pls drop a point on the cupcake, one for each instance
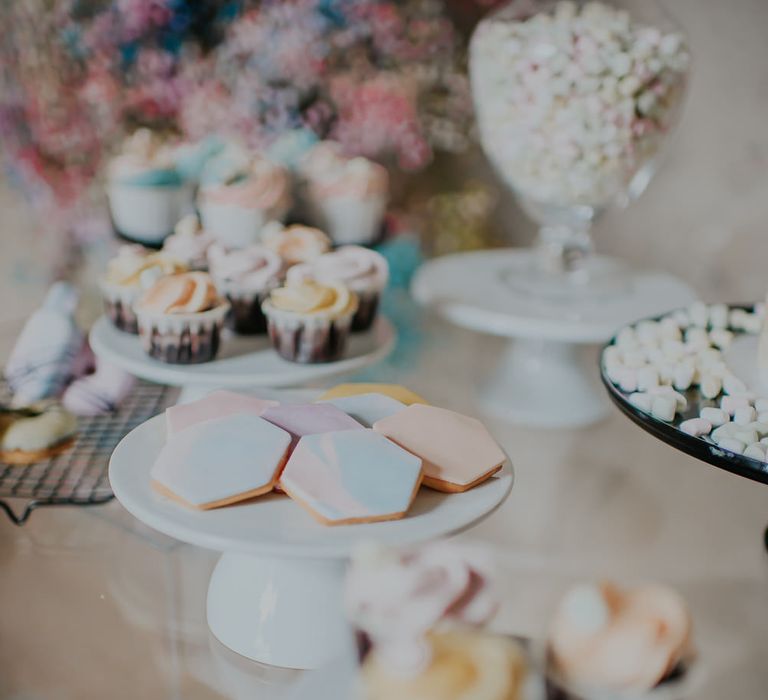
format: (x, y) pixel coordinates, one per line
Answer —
(419, 615)
(130, 272)
(347, 197)
(295, 244)
(611, 642)
(363, 270)
(245, 277)
(147, 194)
(189, 243)
(239, 193)
(180, 318)
(310, 322)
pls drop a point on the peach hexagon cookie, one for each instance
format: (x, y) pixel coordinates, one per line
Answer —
(394, 391)
(217, 404)
(221, 461)
(458, 451)
(352, 476)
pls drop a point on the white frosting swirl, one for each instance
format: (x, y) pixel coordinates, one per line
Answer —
(361, 269)
(189, 242)
(254, 268)
(331, 174)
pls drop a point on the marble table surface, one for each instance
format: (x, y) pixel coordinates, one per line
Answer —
(97, 605)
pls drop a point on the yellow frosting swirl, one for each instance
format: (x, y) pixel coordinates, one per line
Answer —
(311, 298)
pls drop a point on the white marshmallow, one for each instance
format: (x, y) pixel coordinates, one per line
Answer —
(642, 401)
(718, 316)
(710, 386)
(730, 403)
(634, 359)
(669, 328)
(682, 402)
(681, 318)
(699, 314)
(663, 408)
(715, 416)
(761, 404)
(721, 337)
(744, 414)
(683, 376)
(756, 451)
(696, 427)
(732, 444)
(647, 378)
(753, 323)
(760, 427)
(628, 379)
(746, 436)
(724, 431)
(626, 338)
(763, 417)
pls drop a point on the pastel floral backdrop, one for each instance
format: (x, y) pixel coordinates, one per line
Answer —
(386, 79)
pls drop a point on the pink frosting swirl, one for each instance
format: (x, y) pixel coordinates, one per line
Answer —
(267, 187)
(359, 268)
(331, 174)
(254, 268)
(397, 598)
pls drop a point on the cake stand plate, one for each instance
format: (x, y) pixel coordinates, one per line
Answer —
(741, 360)
(275, 594)
(545, 376)
(243, 361)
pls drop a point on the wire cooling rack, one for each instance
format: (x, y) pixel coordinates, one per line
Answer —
(78, 477)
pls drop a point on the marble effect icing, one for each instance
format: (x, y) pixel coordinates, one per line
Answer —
(310, 419)
(352, 476)
(217, 404)
(221, 461)
(458, 451)
(368, 408)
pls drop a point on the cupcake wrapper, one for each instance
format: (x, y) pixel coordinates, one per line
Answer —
(308, 340)
(183, 338)
(246, 316)
(118, 306)
(368, 306)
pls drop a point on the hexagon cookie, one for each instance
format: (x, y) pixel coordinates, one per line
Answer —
(309, 419)
(352, 476)
(458, 451)
(394, 391)
(221, 461)
(216, 405)
(366, 409)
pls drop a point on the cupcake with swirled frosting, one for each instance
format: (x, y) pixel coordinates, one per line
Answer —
(130, 272)
(363, 270)
(189, 243)
(146, 191)
(180, 318)
(611, 642)
(347, 197)
(295, 244)
(418, 614)
(245, 277)
(309, 322)
(240, 192)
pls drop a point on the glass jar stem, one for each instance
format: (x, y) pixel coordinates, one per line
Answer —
(563, 249)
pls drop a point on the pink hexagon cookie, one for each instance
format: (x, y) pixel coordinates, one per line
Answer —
(221, 461)
(310, 419)
(216, 405)
(458, 451)
(352, 476)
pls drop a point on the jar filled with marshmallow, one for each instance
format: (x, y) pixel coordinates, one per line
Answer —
(574, 102)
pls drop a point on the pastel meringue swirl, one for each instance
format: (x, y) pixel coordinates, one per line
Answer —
(314, 299)
(357, 267)
(183, 293)
(250, 269)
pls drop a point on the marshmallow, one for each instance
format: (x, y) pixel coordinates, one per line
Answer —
(642, 401)
(663, 407)
(732, 445)
(710, 386)
(724, 431)
(627, 379)
(721, 337)
(746, 436)
(714, 416)
(733, 385)
(647, 378)
(696, 427)
(755, 451)
(699, 314)
(744, 414)
(761, 405)
(718, 316)
(683, 376)
(682, 402)
(730, 403)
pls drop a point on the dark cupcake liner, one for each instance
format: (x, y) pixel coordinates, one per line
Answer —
(246, 317)
(122, 316)
(309, 343)
(367, 309)
(183, 340)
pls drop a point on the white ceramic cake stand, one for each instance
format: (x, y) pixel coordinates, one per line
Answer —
(545, 377)
(243, 361)
(275, 594)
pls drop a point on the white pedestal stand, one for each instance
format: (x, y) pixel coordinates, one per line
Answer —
(275, 594)
(545, 376)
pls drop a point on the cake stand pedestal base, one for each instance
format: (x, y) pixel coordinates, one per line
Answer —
(278, 611)
(544, 384)
(544, 377)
